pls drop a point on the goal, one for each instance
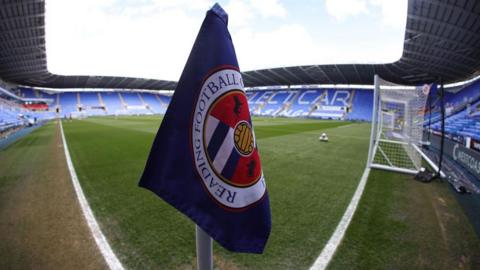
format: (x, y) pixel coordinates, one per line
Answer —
(397, 126)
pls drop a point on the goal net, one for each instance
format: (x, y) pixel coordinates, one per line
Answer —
(397, 126)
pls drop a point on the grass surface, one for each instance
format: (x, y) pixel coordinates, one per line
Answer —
(392, 154)
(400, 224)
(404, 224)
(308, 189)
(41, 225)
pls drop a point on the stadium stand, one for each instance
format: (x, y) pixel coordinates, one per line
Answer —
(165, 99)
(134, 103)
(89, 99)
(9, 115)
(99, 103)
(15, 111)
(91, 104)
(154, 103)
(338, 104)
(462, 122)
(27, 93)
(132, 99)
(68, 103)
(112, 102)
(462, 107)
(361, 109)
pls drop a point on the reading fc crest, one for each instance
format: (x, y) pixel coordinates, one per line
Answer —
(223, 142)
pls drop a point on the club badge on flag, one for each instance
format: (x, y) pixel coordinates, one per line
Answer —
(204, 160)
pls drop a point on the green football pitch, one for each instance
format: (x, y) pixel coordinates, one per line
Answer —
(399, 224)
(310, 184)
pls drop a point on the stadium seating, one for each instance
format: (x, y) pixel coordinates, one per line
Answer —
(165, 99)
(89, 99)
(362, 106)
(131, 99)
(463, 114)
(9, 115)
(91, 104)
(154, 103)
(28, 93)
(312, 103)
(112, 102)
(463, 107)
(302, 104)
(68, 103)
(13, 115)
(134, 103)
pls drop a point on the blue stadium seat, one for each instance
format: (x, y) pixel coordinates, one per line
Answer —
(68, 103)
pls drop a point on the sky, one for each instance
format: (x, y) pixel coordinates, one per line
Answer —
(153, 38)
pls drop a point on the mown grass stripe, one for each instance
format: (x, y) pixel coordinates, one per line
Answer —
(110, 258)
(331, 247)
(109, 160)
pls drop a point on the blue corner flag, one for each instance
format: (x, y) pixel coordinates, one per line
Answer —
(204, 160)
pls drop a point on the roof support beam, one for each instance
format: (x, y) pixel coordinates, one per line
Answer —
(25, 75)
(294, 75)
(168, 85)
(439, 39)
(341, 74)
(38, 39)
(15, 3)
(282, 78)
(445, 25)
(446, 5)
(302, 68)
(23, 17)
(24, 29)
(20, 52)
(427, 68)
(31, 47)
(356, 73)
(325, 73)
(22, 22)
(252, 77)
(266, 78)
(422, 49)
(448, 63)
(28, 64)
(23, 57)
(393, 74)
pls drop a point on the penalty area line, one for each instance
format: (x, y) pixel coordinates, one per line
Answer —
(329, 250)
(110, 258)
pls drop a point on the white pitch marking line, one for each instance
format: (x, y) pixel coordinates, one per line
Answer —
(102, 243)
(345, 126)
(329, 250)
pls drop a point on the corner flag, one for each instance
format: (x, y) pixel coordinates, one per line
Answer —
(204, 160)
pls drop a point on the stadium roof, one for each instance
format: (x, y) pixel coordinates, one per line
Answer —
(442, 39)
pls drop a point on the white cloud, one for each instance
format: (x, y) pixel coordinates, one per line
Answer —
(89, 38)
(149, 39)
(272, 49)
(243, 12)
(240, 13)
(269, 8)
(342, 9)
(201, 5)
(393, 12)
(153, 38)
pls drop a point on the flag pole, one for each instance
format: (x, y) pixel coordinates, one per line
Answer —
(204, 249)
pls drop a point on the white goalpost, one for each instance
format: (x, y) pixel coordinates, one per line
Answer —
(397, 127)
(388, 119)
